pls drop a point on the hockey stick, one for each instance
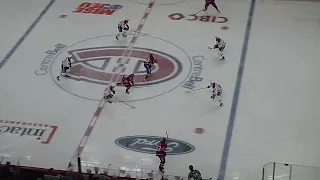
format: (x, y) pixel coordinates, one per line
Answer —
(210, 47)
(144, 34)
(196, 90)
(197, 12)
(125, 103)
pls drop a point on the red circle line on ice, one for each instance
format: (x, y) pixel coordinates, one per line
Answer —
(81, 88)
(86, 68)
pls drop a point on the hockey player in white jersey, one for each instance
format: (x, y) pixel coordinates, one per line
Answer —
(216, 92)
(109, 92)
(220, 44)
(65, 67)
(123, 27)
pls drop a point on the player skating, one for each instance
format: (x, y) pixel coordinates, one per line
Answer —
(220, 44)
(161, 153)
(216, 92)
(123, 27)
(127, 81)
(212, 2)
(109, 92)
(65, 67)
(194, 174)
(148, 63)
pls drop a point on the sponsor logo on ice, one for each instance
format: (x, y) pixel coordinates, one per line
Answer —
(100, 65)
(97, 8)
(192, 17)
(39, 131)
(148, 145)
(196, 75)
(45, 63)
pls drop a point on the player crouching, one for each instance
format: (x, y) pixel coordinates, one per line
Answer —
(161, 153)
(216, 92)
(148, 63)
(220, 44)
(65, 67)
(123, 27)
(127, 81)
(109, 92)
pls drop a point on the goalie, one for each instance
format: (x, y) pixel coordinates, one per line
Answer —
(123, 27)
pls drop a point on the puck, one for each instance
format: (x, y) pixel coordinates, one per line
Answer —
(224, 27)
(63, 16)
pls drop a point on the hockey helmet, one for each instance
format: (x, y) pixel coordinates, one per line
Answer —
(190, 167)
(126, 21)
(164, 139)
(69, 57)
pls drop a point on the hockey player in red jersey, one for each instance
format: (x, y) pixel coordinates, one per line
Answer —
(161, 153)
(127, 81)
(212, 2)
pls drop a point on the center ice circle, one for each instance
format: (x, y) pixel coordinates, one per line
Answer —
(99, 60)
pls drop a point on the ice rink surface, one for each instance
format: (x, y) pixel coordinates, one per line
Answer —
(269, 79)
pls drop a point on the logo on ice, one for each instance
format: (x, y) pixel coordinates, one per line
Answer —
(41, 132)
(97, 8)
(148, 144)
(102, 65)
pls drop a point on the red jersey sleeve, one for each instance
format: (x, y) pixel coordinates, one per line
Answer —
(161, 149)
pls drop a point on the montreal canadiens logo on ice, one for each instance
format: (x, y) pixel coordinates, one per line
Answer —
(148, 144)
(99, 65)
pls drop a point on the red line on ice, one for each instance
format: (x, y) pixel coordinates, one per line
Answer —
(102, 102)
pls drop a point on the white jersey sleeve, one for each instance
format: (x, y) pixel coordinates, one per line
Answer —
(217, 90)
(222, 43)
(66, 63)
(122, 25)
(109, 91)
